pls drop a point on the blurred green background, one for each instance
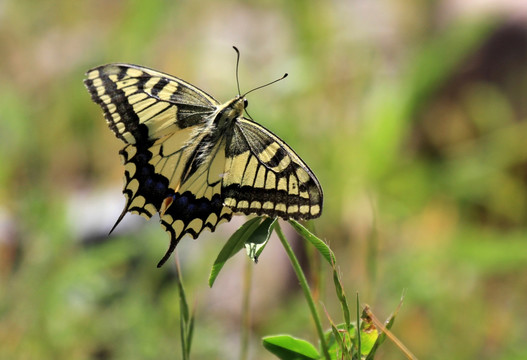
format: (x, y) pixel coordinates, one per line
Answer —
(411, 113)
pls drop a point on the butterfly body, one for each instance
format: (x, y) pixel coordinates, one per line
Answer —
(194, 160)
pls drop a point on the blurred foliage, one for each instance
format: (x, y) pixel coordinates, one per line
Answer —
(412, 114)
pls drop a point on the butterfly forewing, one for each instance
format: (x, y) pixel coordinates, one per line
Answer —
(195, 161)
(132, 95)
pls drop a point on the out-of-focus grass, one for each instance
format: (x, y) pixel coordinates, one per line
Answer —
(413, 125)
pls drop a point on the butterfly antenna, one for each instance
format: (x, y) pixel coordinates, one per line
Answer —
(256, 88)
(237, 67)
(264, 85)
(238, 78)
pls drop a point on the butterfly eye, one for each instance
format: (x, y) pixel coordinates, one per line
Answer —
(245, 103)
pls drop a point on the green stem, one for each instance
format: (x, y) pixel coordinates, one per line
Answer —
(305, 287)
(246, 313)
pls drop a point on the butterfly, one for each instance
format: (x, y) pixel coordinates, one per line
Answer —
(194, 160)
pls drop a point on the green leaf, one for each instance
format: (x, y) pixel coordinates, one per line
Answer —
(232, 246)
(190, 332)
(340, 340)
(186, 321)
(359, 349)
(320, 245)
(368, 337)
(259, 238)
(183, 305)
(286, 347)
(336, 347)
(336, 339)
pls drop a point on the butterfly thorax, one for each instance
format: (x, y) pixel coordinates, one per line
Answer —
(202, 146)
(230, 111)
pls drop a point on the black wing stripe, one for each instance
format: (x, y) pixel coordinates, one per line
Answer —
(162, 108)
(160, 85)
(123, 110)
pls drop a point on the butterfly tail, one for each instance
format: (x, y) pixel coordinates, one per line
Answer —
(173, 243)
(125, 210)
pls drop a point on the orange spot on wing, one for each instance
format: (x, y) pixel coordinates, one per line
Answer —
(165, 205)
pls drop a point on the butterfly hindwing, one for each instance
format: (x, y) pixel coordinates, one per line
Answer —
(263, 175)
(198, 204)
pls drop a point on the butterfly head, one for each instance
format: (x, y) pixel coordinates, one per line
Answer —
(239, 104)
(233, 108)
